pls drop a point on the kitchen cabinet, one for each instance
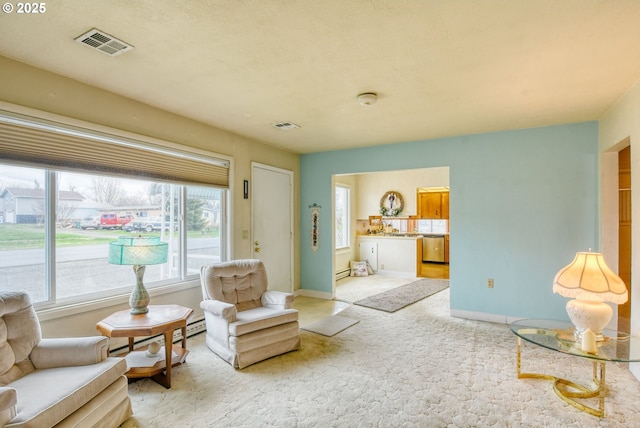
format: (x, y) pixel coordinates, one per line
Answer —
(446, 248)
(433, 205)
(369, 252)
(392, 254)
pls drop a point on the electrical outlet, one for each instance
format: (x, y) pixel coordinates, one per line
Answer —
(381, 267)
(490, 283)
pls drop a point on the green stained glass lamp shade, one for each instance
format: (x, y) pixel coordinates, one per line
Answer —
(138, 251)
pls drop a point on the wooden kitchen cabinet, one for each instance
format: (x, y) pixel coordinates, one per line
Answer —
(446, 248)
(433, 205)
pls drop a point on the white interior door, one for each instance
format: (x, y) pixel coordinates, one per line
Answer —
(272, 223)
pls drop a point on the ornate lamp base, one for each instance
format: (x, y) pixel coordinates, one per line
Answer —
(589, 314)
(139, 299)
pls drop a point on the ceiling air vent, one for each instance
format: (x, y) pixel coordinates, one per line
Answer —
(103, 42)
(286, 126)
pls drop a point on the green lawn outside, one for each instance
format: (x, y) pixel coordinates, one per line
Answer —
(28, 236)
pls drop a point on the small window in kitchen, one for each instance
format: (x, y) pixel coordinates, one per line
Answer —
(342, 216)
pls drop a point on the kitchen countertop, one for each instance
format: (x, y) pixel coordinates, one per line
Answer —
(391, 236)
(412, 236)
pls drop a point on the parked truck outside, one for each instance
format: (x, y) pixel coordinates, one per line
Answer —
(113, 221)
(149, 224)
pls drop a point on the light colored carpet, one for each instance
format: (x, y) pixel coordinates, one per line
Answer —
(405, 295)
(330, 326)
(418, 367)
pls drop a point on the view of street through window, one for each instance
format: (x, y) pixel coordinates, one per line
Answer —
(90, 211)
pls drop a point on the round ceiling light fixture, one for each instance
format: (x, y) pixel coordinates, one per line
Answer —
(367, 99)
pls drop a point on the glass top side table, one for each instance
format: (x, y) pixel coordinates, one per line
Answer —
(559, 336)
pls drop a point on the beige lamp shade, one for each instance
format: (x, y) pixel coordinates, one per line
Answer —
(588, 277)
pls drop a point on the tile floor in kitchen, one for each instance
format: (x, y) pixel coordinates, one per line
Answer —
(347, 289)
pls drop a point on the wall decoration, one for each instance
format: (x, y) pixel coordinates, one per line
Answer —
(315, 226)
(391, 204)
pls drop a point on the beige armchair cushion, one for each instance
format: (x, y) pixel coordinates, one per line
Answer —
(8, 401)
(68, 352)
(241, 283)
(19, 333)
(81, 383)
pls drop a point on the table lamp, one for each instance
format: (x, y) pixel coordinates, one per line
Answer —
(590, 282)
(139, 252)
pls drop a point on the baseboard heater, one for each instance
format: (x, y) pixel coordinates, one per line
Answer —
(194, 327)
(343, 273)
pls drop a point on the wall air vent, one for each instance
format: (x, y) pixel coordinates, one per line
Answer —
(286, 126)
(103, 42)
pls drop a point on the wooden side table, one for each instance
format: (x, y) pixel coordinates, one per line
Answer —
(161, 319)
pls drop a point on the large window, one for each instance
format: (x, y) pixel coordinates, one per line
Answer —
(56, 226)
(342, 216)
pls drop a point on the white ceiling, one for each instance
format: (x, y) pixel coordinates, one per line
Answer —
(440, 68)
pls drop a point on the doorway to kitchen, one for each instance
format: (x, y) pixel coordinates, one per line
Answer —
(390, 226)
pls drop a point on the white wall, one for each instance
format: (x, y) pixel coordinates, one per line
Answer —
(619, 126)
(371, 187)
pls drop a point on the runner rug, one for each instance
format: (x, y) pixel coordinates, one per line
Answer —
(405, 295)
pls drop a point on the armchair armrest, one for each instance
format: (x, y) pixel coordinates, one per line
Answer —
(73, 351)
(8, 401)
(220, 309)
(277, 299)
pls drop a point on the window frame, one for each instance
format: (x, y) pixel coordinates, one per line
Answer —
(347, 217)
(52, 302)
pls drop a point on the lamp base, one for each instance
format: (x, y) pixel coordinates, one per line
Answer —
(139, 299)
(587, 314)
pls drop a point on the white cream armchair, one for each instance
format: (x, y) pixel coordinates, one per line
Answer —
(246, 323)
(56, 382)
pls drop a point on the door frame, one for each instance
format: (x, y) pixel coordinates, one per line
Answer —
(288, 173)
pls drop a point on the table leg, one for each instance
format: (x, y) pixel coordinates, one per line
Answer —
(561, 386)
(184, 336)
(164, 379)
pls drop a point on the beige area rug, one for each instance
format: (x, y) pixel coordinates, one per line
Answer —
(405, 295)
(418, 367)
(330, 326)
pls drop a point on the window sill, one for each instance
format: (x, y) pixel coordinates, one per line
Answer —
(343, 250)
(79, 308)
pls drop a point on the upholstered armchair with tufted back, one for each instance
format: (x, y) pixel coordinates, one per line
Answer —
(246, 323)
(56, 382)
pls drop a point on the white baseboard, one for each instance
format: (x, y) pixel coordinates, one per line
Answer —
(343, 274)
(480, 316)
(315, 294)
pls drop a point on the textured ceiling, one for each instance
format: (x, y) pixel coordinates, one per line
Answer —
(440, 68)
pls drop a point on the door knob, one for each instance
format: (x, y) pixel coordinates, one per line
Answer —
(256, 249)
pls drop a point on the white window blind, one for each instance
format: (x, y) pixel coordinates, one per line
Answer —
(41, 143)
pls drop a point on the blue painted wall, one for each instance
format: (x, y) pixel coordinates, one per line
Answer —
(521, 204)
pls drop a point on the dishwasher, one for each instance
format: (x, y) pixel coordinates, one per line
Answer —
(433, 248)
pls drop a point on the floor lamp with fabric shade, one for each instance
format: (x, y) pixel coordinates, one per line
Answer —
(138, 251)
